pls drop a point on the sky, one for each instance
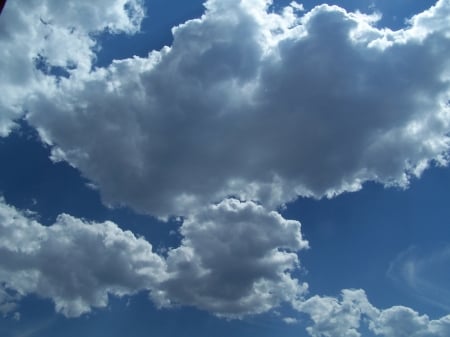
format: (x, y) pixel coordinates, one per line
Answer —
(225, 168)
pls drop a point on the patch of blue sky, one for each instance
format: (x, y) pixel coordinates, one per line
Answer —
(355, 237)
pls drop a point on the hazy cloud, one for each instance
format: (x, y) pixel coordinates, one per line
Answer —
(423, 273)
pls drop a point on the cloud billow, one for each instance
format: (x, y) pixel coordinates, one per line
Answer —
(257, 105)
(53, 35)
(78, 264)
(75, 263)
(235, 259)
(333, 317)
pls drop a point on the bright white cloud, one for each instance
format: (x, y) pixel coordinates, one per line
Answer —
(259, 106)
(332, 317)
(404, 322)
(58, 34)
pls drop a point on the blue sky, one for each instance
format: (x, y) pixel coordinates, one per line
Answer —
(263, 169)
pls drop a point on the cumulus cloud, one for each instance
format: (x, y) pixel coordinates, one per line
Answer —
(404, 322)
(261, 106)
(235, 259)
(41, 37)
(244, 105)
(333, 317)
(73, 262)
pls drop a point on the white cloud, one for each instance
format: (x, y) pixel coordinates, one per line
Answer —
(290, 320)
(259, 106)
(332, 317)
(74, 263)
(60, 34)
(235, 259)
(404, 322)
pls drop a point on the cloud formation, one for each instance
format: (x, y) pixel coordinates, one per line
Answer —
(73, 262)
(235, 259)
(244, 105)
(261, 106)
(54, 37)
(333, 317)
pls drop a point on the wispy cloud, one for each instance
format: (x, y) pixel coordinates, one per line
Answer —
(423, 273)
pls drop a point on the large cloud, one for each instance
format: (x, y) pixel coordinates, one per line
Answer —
(57, 37)
(259, 106)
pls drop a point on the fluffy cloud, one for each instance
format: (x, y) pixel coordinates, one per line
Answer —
(235, 259)
(332, 317)
(53, 36)
(73, 262)
(257, 105)
(404, 322)
(249, 104)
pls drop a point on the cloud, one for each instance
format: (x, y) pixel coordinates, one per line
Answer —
(422, 272)
(261, 106)
(38, 38)
(404, 322)
(333, 317)
(290, 320)
(73, 262)
(244, 105)
(235, 259)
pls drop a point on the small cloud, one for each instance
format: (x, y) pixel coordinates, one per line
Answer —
(297, 6)
(290, 320)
